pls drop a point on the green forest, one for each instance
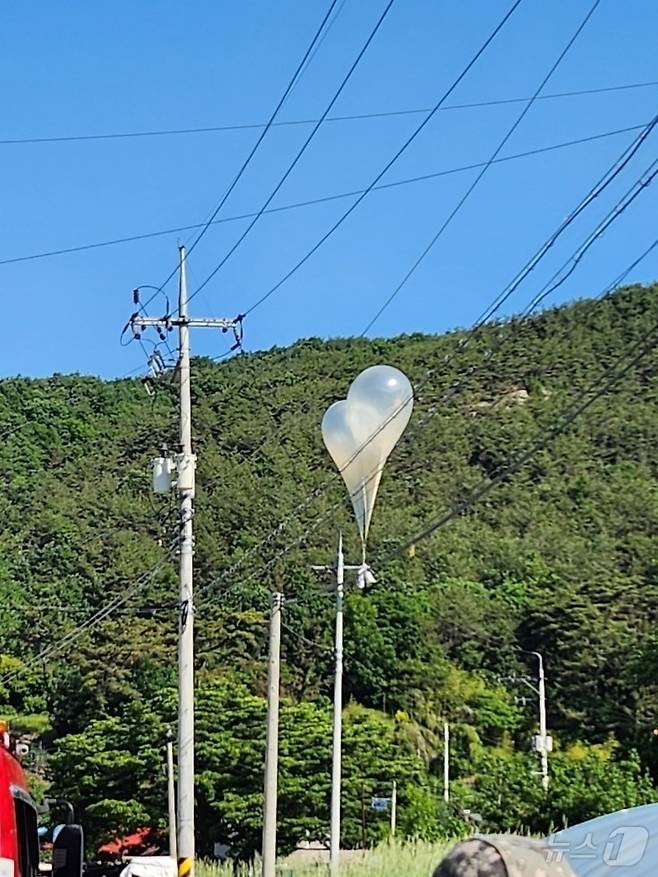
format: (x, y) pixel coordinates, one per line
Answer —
(561, 558)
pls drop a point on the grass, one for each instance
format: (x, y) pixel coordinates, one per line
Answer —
(412, 858)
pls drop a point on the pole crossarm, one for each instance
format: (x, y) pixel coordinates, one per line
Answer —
(223, 323)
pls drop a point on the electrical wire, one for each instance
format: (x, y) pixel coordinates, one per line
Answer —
(390, 163)
(444, 225)
(170, 132)
(91, 622)
(596, 390)
(324, 36)
(599, 187)
(604, 181)
(323, 199)
(454, 388)
(300, 152)
(255, 147)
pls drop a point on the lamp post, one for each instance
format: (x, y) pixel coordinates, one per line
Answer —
(542, 742)
(337, 724)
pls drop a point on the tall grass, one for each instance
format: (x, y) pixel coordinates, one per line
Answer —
(411, 859)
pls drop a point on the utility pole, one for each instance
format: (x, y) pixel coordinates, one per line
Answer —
(186, 464)
(545, 742)
(336, 757)
(394, 808)
(446, 762)
(171, 796)
(272, 745)
(180, 471)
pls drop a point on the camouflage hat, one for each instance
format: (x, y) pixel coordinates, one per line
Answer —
(501, 856)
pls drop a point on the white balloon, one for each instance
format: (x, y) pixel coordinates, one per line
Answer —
(361, 431)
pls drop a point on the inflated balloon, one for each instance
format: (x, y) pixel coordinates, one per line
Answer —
(361, 431)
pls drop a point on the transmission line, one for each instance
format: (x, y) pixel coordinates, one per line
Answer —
(389, 164)
(300, 152)
(446, 223)
(171, 132)
(319, 491)
(254, 149)
(323, 199)
(608, 177)
(94, 619)
(596, 390)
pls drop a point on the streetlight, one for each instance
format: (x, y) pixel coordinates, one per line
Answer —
(542, 742)
(360, 432)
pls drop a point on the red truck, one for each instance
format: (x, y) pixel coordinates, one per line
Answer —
(19, 841)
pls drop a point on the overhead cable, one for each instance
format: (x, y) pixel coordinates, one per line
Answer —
(391, 161)
(323, 199)
(300, 152)
(170, 132)
(254, 148)
(456, 209)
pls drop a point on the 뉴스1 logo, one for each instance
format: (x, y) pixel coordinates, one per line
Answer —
(623, 848)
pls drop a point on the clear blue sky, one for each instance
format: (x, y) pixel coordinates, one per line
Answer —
(89, 68)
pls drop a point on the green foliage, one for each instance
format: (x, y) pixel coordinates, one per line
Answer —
(561, 558)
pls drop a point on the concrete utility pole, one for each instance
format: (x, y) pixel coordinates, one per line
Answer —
(336, 760)
(336, 754)
(181, 472)
(272, 745)
(171, 796)
(394, 808)
(446, 762)
(186, 464)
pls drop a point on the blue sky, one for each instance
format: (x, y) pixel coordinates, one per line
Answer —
(119, 67)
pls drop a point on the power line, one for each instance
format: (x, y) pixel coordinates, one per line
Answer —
(91, 622)
(322, 39)
(526, 109)
(300, 152)
(390, 163)
(615, 372)
(617, 211)
(254, 149)
(171, 132)
(594, 192)
(323, 199)
(257, 575)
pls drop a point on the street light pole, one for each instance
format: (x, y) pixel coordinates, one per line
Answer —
(543, 733)
(272, 744)
(336, 755)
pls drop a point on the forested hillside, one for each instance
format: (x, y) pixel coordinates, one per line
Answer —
(561, 557)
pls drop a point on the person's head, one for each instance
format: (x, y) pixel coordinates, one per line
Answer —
(501, 856)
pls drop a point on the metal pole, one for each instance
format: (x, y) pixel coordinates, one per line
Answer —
(186, 465)
(543, 733)
(446, 762)
(394, 808)
(272, 745)
(171, 797)
(334, 845)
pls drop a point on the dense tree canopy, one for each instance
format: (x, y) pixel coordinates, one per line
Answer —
(560, 558)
